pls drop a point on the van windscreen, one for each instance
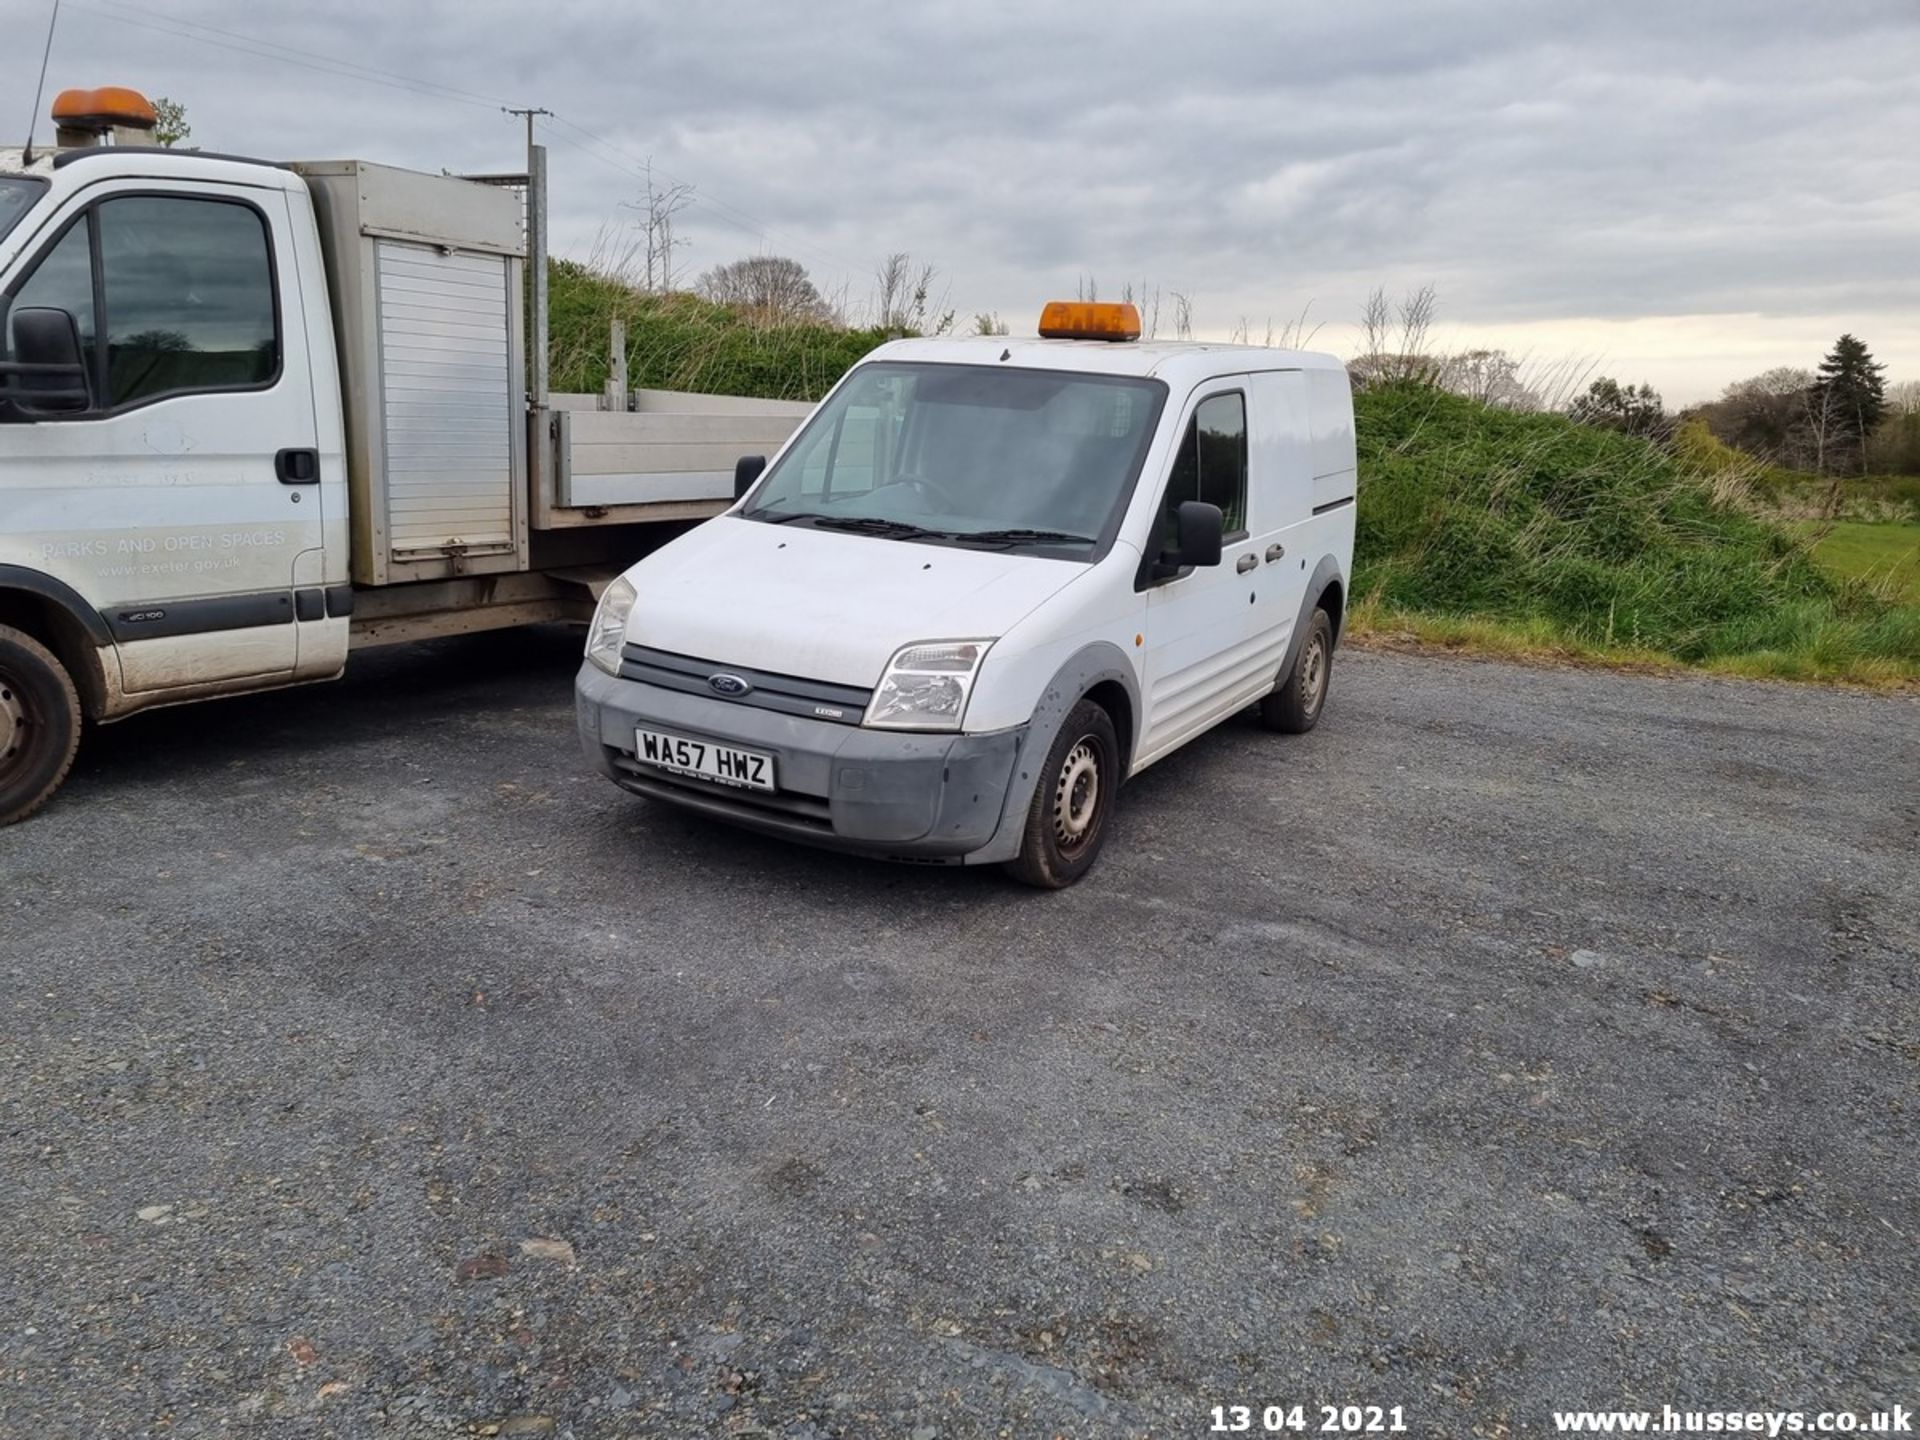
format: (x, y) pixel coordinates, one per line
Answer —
(963, 454)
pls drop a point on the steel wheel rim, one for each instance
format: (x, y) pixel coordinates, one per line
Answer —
(14, 724)
(1313, 673)
(1076, 795)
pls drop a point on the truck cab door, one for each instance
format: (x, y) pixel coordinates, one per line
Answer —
(179, 496)
(1203, 660)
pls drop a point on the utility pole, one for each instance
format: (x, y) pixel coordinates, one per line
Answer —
(529, 111)
(536, 259)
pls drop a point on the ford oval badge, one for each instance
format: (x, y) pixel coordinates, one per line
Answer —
(731, 686)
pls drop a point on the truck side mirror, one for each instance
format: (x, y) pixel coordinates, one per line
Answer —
(1200, 526)
(46, 374)
(746, 470)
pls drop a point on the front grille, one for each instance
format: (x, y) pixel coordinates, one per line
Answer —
(806, 809)
(789, 694)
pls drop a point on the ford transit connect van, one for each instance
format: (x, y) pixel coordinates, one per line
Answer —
(985, 582)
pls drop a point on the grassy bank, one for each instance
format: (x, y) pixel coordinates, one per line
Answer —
(681, 342)
(1527, 534)
(1523, 535)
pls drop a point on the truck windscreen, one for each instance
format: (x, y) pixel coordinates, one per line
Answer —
(17, 194)
(963, 454)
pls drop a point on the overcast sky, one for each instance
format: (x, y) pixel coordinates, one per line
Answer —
(1680, 192)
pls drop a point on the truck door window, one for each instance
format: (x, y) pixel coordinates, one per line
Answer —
(189, 295)
(63, 280)
(1210, 465)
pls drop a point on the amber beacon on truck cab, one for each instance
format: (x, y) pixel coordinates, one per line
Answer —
(985, 582)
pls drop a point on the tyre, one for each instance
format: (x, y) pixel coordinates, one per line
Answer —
(39, 724)
(1073, 803)
(1295, 707)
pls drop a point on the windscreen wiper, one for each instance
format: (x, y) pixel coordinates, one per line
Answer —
(1023, 537)
(782, 517)
(875, 525)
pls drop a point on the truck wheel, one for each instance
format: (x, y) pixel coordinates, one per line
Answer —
(39, 724)
(1295, 707)
(1067, 822)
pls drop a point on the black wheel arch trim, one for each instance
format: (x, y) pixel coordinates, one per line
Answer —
(1090, 666)
(35, 582)
(1326, 573)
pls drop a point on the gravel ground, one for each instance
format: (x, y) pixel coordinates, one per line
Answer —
(1519, 1040)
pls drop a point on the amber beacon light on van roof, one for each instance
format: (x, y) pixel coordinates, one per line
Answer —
(1089, 320)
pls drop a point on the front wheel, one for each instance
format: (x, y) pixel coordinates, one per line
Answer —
(1068, 820)
(39, 724)
(1295, 707)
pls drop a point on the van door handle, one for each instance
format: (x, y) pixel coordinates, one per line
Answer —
(297, 467)
(1247, 562)
(1276, 552)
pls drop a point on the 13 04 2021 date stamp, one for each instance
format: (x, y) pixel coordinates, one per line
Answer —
(1309, 1419)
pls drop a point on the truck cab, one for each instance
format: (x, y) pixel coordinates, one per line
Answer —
(254, 415)
(986, 582)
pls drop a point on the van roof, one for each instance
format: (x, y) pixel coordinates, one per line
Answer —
(1178, 362)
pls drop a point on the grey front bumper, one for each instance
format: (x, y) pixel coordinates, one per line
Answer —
(876, 792)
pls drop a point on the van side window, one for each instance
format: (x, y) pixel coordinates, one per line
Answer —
(1211, 465)
(856, 454)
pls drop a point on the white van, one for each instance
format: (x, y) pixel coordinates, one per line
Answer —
(987, 580)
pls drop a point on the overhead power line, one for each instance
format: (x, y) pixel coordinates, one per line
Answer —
(589, 143)
(271, 50)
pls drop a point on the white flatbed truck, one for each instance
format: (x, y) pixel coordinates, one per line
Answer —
(254, 416)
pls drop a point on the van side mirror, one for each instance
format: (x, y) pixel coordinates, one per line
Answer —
(746, 470)
(1196, 542)
(1200, 526)
(46, 374)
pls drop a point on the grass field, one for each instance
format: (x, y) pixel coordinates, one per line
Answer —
(1882, 555)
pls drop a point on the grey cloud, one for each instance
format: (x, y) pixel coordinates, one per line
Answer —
(1536, 162)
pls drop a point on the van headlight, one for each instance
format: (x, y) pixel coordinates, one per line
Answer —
(926, 685)
(609, 630)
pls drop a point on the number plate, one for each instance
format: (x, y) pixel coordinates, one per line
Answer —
(722, 764)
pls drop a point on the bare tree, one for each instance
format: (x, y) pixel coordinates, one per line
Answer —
(904, 301)
(769, 288)
(1825, 420)
(1145, 299)
(1770, 415)
(1491, 377)
(1376, 329)
(1182, 316)
(658, 242)
(1416, 319)
(1393, 338)
(890, 288)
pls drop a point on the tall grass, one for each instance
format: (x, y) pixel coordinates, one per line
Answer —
(1600, 542)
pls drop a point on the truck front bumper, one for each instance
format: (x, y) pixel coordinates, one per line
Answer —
(886, 793)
